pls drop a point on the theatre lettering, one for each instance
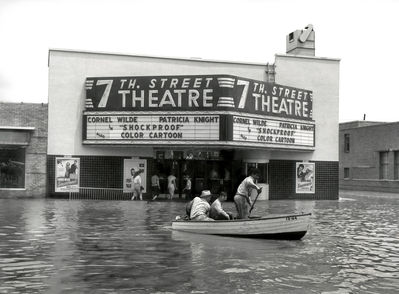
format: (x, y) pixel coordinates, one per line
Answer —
(197, 93)
(214, 110)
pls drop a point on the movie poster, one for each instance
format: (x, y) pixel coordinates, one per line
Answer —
(67, 174)
(130, 170)
(305, 177)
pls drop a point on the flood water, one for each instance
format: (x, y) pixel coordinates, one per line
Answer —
(61, 246)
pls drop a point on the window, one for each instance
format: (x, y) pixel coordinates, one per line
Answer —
(346, 143)
(346, 172)
(396, 162)
(251, 165)
(12, 168)
(384, 165)
(263, 167)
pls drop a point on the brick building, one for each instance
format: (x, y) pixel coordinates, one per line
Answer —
(210, 121)
(369, 156)
(23, 149)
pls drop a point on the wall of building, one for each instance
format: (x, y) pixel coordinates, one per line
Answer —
(68, 71)
(95, 171)
(321, 75)
(29, 115)
(367, 140)
(282, 181)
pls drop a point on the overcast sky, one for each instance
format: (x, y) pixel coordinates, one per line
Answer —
(363, 34)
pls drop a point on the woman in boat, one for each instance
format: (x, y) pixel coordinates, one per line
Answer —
(200, 207)
(242, 199)
(216, 212)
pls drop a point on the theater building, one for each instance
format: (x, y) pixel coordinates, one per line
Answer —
(369, 156)
(203, 120)
(23, 150)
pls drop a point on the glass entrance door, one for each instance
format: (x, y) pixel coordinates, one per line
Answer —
(205, 170)
(168, 168)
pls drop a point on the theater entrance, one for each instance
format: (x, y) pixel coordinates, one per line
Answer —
(205, 170)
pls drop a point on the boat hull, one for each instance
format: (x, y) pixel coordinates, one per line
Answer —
(285, 227)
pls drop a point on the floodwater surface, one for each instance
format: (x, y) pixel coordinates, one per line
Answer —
(61, 246)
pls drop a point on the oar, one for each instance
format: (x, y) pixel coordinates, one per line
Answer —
(256, 198)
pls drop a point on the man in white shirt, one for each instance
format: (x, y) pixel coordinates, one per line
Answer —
(242, 199)
(217, 212)
(200, 207)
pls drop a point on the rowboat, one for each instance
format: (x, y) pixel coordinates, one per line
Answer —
(285, 227)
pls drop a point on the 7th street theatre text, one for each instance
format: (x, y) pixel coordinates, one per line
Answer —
(192, 93)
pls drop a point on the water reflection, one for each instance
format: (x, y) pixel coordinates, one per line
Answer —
(58, 246)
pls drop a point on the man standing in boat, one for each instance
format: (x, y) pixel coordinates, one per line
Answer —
(242, 199)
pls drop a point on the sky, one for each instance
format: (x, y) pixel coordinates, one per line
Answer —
(363, 34)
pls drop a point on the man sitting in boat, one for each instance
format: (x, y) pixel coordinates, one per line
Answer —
(189, 205)
(242, 199)
(200, 207)
(217, 212)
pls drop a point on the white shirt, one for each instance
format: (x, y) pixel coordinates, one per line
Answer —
(200, 207)
(188, 185)
(155, 181)
(137, 180)
(216, 209)
(246, 186)
(171, 179)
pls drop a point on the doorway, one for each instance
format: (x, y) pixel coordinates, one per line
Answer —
(207, 170)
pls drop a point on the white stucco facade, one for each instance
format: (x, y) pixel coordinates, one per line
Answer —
(69, 69)
(321, 75)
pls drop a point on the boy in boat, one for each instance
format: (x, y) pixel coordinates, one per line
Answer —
(242, 199)
(200, 207)
(217, 212)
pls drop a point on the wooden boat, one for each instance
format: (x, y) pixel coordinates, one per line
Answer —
(286, 227)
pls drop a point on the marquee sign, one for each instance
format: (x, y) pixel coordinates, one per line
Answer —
(272, 132)
(156, 128)
(197, 93)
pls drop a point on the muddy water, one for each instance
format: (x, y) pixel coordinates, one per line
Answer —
(61, 246)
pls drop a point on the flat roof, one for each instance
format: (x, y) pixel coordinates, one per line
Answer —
(308, 57)
(198, 59)
(357, 124)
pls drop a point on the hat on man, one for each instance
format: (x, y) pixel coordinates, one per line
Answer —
(205, 193)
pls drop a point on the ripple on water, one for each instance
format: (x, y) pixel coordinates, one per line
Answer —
(236, 270)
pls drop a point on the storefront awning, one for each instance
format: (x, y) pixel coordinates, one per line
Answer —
(15, 136)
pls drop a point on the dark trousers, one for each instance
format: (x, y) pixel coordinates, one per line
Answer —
(154, 191)
(188, 194)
